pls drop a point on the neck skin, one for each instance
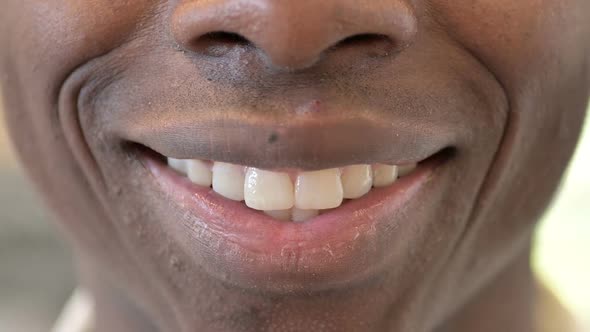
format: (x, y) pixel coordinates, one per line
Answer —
(506, 304)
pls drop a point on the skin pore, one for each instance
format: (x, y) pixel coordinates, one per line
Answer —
(501, 84)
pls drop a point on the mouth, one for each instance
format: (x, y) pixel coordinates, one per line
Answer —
(275, 225)
(287, 194)
(304, 195)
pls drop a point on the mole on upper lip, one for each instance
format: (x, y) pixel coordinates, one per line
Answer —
(274, 137)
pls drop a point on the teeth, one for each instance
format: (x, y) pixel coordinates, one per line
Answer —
(180, 165)
(266, 190)
(384, 175)
(284, 215)
(405, 169)
(357, 180)
(294, 214)
(199, 173)
(228, 180)
(275, 194)
(318, 190)
(299, 215)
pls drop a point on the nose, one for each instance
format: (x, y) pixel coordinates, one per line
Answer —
(294, 34)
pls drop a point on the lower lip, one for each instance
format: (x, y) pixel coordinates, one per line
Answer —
(287, 252)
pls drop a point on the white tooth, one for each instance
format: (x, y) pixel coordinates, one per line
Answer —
(266, 190)
(178, 164)
(199, 173)
(318, 190)
(299, 215)
(384, 175)
(284, 215)
(357, 180)
(404, 170)
(228, 180)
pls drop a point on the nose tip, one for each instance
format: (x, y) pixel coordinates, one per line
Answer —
(294, 34)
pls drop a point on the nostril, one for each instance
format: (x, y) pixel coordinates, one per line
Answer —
(223, 37)
(375, 45)
(218, 43)
(363, 39)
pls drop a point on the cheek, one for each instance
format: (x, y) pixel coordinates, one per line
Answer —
(512, 38)
(73, 31)
(41, 44)
(533, 49)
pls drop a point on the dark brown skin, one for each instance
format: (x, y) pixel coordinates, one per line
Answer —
(504, 83)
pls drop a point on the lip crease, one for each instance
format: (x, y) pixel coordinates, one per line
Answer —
(258, 233)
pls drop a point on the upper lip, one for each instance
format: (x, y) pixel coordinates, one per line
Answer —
(307, 141)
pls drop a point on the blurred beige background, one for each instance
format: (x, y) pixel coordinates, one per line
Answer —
(36, 275)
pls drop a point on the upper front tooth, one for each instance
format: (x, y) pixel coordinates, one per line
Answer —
(179, 165)
(228, 180)
(384, 175)
(319, 190)
(266, 190)
(404, 170)
(357, 180)
(199, 173)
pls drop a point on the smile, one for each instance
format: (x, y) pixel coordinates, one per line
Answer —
(272, 227)
(289, 195)
(318, 196)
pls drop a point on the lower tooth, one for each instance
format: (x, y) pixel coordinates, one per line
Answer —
(284, 215)
(404, 170)
(300, 215)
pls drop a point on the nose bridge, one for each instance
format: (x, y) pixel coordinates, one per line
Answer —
(295, 33)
